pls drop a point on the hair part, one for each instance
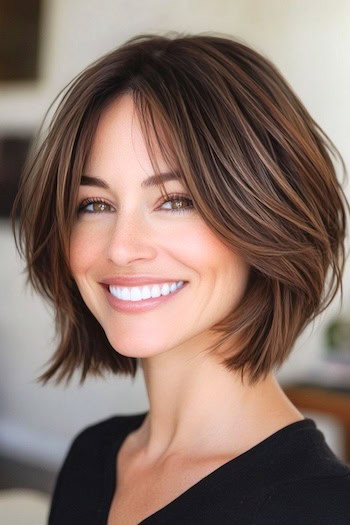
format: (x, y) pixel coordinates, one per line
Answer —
(260, 171)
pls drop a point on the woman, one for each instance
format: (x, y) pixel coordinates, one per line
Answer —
(183, 214)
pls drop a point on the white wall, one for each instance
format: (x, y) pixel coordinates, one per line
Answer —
(309, 41)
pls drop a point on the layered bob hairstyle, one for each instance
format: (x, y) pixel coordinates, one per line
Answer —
(259, 169)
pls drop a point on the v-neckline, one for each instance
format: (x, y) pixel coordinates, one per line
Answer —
(237, 462)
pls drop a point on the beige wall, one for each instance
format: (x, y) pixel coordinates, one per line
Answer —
(308, 40)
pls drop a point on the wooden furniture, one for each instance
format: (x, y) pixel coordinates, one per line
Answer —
(332, 402)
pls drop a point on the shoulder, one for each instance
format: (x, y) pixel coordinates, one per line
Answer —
(106, 430)
(307, 483)
(307, 501)
(88, 468)
(296, 452)
(97, 440)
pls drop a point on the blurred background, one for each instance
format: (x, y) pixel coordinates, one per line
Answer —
(43, 45)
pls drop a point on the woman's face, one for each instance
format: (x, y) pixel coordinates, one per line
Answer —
(129, 243)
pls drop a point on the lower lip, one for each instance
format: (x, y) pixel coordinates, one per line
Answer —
(140, 306)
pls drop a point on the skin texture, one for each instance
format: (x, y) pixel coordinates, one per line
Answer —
(198, 409)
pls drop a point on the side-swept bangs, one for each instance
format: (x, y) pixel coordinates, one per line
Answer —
(260, 170)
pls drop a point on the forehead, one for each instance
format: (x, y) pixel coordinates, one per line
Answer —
(119, 144)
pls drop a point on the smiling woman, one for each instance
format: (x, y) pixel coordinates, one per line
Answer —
(183, 213)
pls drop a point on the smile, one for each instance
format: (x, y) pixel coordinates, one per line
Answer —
(141, 293)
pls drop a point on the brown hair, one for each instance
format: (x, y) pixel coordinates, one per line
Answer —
(258, 167)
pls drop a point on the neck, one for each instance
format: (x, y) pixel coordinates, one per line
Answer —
(198, 406)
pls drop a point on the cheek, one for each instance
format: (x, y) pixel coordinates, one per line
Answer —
(226, 269)
(202, 246)
(84, 250)
(196, 243)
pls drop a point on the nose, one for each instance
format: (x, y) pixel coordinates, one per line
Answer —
(131, 239)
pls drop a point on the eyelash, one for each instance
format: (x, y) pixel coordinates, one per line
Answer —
(170, 198)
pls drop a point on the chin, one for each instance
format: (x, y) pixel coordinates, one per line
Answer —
(135, 348)
(137, 353)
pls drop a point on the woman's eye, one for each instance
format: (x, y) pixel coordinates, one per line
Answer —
(174, 203)
(95, 206)
(178, 203)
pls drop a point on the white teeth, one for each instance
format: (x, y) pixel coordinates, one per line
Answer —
(156, 291)
(165, 289)
(135, 294)
(139, 293)
(125, 294)
(146, 292)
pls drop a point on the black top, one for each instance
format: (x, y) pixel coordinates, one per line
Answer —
(292, 477)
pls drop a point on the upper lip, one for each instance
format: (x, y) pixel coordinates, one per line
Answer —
(137, 280)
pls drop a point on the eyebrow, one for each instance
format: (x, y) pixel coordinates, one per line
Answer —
(153, 180)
